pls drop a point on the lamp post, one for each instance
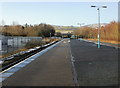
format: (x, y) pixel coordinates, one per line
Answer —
(98, 8)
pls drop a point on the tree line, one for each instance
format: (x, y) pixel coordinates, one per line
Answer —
(107, 32)
(43, 30)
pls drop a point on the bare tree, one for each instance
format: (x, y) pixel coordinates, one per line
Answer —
(2, 22)
(2, 26)
(15, 23)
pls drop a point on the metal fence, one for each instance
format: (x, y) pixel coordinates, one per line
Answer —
(10, 44)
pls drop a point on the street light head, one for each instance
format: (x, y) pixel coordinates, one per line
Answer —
(100, 6)
(104, 6)
(93, 6)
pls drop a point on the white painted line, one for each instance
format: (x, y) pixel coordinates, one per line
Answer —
(31, 59)
(26, 62)
(23, 63)
(5, 75)
(12, 70)
(33, 56)
(68, 40)
(2, 79)
(74, 70)
(72, 58)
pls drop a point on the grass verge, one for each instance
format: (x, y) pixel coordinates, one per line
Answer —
(106, 41)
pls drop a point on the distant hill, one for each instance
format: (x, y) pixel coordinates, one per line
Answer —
(70, 29)
(64, 29)
(96, 25)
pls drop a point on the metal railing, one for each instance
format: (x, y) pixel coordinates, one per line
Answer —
(10, 44)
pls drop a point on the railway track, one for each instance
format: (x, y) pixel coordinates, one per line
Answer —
(16, 58)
